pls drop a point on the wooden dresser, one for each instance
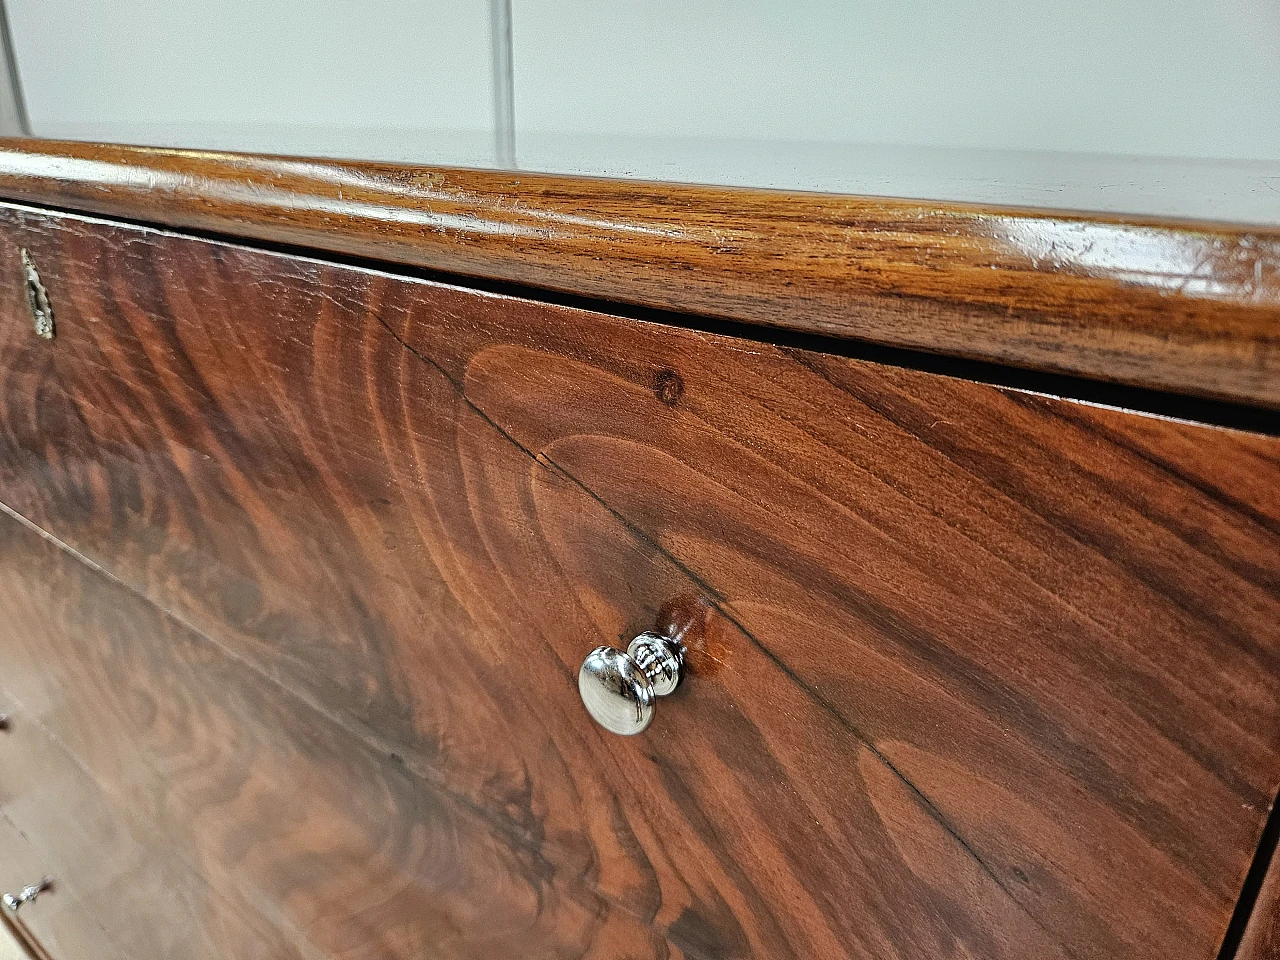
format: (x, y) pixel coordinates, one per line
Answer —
(320, 481)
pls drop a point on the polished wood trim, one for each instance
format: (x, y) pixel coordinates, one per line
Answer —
(1192, 308)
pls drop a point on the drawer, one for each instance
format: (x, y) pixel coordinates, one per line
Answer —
(199, 812)
(969, 670)
(54, 921)
(120, 889)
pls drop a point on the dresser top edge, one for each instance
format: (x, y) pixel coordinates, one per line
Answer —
(1176, 306)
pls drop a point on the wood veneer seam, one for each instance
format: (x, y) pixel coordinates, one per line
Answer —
(717, 600)
(368, 739)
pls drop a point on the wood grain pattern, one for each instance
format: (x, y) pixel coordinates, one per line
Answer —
(975, 672)
(115, 867)
(208, 813)
(56, 920)
(1192, 308)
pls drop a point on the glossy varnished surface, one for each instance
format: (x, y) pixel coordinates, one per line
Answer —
(1191, 308)
(190, 807)
(55, 922)
(973, 671)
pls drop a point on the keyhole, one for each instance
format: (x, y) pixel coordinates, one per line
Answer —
(37, 298)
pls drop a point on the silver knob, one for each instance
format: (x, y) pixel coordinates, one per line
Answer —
(14, 900)
(618, 689)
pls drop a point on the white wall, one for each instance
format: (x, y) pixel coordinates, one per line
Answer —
(984, 100)
(327, 76)
(1181, 78)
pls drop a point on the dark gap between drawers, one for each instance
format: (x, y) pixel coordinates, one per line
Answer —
(1252, 885)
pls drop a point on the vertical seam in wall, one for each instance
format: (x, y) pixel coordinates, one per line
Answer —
(18, 102)
(504, 94)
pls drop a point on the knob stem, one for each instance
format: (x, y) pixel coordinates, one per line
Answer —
(660, 658)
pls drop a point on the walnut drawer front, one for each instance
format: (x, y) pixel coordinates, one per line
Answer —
(971, 671)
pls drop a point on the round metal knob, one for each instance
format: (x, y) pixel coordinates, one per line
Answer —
(619, 688)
